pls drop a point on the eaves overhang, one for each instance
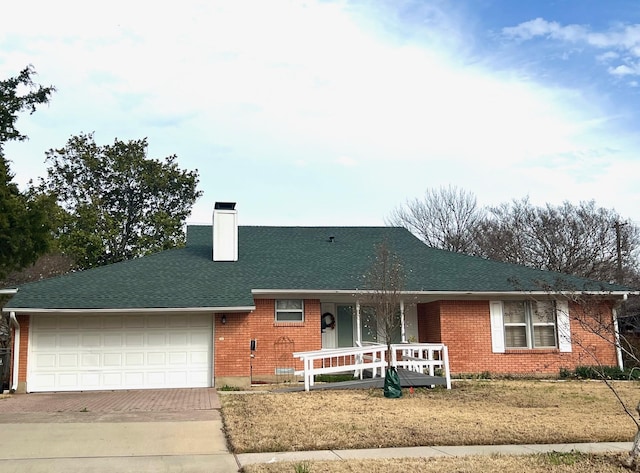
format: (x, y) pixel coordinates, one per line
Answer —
(127, 310)
(444, 294)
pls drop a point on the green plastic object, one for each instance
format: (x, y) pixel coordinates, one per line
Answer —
(392, 388)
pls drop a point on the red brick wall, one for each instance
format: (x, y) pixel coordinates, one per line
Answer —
(465, 328)
(23, 320)
(275, 341)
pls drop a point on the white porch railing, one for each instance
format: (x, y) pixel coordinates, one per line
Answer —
(422, 358)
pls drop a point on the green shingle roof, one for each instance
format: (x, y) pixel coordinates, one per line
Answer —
(280, 258)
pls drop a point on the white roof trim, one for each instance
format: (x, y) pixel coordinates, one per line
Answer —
(26, 310)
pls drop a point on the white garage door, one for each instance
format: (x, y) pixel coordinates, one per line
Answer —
(93, 352)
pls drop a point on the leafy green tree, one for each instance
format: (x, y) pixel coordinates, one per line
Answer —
(25, 229)
(120, 205)
(12, 102)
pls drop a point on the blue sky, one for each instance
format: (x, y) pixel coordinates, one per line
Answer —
(335, 112)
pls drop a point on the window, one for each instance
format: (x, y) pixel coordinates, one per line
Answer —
(289, 310)
(529, 324)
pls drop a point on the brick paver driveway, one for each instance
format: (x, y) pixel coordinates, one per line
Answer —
(114, 402)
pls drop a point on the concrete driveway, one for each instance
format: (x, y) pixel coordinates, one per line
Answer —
(114, 431)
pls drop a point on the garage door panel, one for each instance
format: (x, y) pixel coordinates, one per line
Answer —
(66, 380)
(198, 339)
(157, 358)
(68, 322)
(156, 321)
(156, 339)
(134, 378)
(134, 321)
(200, 320)
(198, 377)
(91, 322)
(46, 341)
(176, 378)
(47, 322)
(112, 380)
(90, 360)
(113, 340)
(134, 359)
(68, 341)
(68, 353)
(46, 379)
(68, 360)
(90, 380)
(113, 321)
(112, 359)
(46, 360)
(178, 321)
(199, 358)
(134, 339)
(179, 339)
(177, 358)
(91, 340)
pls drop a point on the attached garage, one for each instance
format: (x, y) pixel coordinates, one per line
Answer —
(83, 352)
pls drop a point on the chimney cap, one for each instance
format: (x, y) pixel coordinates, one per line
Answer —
(225, 206)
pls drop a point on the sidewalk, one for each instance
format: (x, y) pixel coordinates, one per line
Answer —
(415, 452)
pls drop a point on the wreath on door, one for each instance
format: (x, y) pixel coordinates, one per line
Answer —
(328, 321)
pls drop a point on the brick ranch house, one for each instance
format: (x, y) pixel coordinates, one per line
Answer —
(236, 302)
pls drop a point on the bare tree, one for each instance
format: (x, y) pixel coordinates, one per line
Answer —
(446, 218)
(579, 239)
(598, 324)
(573, 239)
(384, 281)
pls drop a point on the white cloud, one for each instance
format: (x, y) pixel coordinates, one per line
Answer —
(624, 39)
(608, 56)
(284, 86)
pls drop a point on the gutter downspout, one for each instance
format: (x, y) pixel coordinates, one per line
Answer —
(16, 351)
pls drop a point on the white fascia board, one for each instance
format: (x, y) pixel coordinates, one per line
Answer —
(484, 294)
(128, 310)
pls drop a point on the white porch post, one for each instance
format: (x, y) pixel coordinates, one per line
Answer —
(358, 325)
(617, 339)
(403, 330)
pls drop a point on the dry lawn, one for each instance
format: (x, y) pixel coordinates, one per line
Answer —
(555, 463)
(472, 413)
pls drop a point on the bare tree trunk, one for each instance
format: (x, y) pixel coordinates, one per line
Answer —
(633, 460)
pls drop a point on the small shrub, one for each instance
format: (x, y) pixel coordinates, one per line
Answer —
(565, 373)
(229, 388)
(596, 372)
(302, 467)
